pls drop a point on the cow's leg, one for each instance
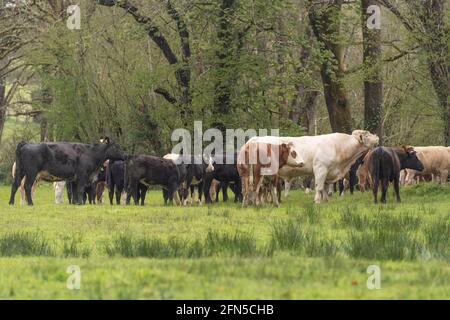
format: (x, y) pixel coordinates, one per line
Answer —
(287, 187)
(245, 190)
(143, 193)
(15, 185)
(307, 184)
(320, 178)
(238, 191)
(384, 188)
(206, 187)
(118, 196)
(341, 187)
(29, 181)
(257, 183)
(444, 175)
(135, 192)
(23, 197)
(375, 190)
(172, 189)
(397, 187)
(224, 192)
(111, 187)
(274, 192)
(200, 192)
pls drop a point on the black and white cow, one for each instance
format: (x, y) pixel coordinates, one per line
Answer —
(222, 167)
(151, 170)
(59, 161)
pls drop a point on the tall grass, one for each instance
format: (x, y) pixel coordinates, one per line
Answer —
(437, 235)
(25, 244)
(289, 235)
(215, 244)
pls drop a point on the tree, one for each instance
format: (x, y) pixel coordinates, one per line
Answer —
(325, 22)
(427, 24)
(182, 70)
(373, 85)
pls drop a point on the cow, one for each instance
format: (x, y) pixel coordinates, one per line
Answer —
(151, 170)
(259, 162)
(385, 164)
(22, 185)
(59, 161)
(351, 176)
(436, 162)
(192, 175)
(222, 167)
(327, 157)
(115, 180)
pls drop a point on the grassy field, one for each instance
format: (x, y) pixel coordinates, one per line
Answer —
(297, 251)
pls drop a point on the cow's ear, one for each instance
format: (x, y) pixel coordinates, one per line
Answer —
(361, 138)
(106, 140)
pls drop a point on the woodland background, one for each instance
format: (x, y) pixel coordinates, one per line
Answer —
(138, 69)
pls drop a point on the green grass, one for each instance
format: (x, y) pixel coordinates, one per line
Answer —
(297, 251)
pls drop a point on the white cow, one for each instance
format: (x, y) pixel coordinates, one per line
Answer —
(327, 157)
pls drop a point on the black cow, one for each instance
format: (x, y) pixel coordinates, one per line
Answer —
(91, 190)
(59, 161)
(151, 170)
(115, 179)
(353, 179)
(386, 163)
(222, 167)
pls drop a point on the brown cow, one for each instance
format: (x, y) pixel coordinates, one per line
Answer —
(258, 165)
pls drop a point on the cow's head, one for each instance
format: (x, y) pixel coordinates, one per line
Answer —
(113, 151)
(411, 161)
(366, 138)
(289, 156)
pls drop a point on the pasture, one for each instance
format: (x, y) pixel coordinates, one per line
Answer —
(221, 251)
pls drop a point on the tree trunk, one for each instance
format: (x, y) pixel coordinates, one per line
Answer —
(224, 56)
(2, 106)
(325, 22)
(373, 85)
(303, 110)
(435, 41)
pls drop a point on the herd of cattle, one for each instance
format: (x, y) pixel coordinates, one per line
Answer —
(255, 173)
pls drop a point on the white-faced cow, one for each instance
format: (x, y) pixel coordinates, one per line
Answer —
(59, 161)
(327, 157)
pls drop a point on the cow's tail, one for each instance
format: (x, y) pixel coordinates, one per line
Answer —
(17, 170)
(377, 161)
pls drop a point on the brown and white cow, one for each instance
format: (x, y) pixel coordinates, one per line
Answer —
(259, 161)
